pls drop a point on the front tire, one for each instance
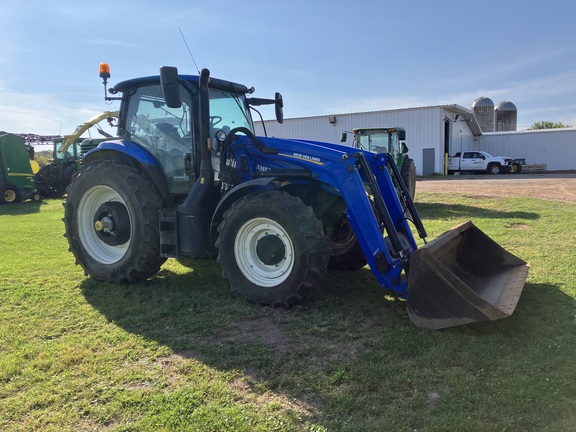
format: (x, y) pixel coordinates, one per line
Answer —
(494, 169)
(272, 248)
(346, 253)
(111, 218)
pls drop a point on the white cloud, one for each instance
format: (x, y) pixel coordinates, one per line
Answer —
(41, 113)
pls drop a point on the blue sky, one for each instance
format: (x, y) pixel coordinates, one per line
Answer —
(325, 57)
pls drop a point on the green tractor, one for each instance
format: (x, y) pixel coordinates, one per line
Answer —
(16, 171)
(53, 178)
(388, 140)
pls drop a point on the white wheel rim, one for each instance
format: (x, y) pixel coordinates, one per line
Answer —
(94, 246)
(250, 264)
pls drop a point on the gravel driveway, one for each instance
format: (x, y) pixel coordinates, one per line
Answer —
(554, 187)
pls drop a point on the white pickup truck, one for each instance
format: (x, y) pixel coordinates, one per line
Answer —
(479, 161)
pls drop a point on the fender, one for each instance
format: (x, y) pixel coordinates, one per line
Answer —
(243, 189)
(135, 154)
(126, 147)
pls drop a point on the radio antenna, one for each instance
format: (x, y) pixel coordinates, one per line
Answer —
(189, 52)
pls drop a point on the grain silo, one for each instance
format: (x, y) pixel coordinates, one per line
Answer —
(483, 108)
(506, 116)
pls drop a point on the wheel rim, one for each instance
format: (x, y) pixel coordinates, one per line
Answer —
(9, 196)
(90, 232)
(264, 252)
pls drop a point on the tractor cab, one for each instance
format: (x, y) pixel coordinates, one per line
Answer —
(390, 140)
(72, 152)
(381, 140)
(163, 117)
(171, 134)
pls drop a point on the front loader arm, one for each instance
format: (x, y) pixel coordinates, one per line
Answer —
(386, 268)
(349, 173)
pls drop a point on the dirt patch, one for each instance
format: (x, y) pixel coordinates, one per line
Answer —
(262, 331)
(553, 187)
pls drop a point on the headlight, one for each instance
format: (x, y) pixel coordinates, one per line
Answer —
(220, 136)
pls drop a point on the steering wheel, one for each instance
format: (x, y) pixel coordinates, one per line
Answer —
(214, 120)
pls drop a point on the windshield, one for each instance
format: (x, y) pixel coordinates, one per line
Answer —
(227, 112)
(373, 141)
(71, 152)
(385, 141)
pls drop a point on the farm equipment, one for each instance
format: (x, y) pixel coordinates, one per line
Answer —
(53, 178)
(16, 171)
(187, 177)
(388, 140)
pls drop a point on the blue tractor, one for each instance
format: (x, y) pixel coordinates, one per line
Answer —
(187, 177)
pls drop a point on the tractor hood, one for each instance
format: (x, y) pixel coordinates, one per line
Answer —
(305, 144)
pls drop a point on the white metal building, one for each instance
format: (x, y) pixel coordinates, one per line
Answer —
(434, 131)
(554, 147)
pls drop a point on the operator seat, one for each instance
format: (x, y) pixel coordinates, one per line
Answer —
(170, 131)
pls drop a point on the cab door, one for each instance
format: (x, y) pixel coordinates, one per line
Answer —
(166, 133)
(472, 161)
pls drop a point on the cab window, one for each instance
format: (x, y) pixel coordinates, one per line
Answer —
(165, 132)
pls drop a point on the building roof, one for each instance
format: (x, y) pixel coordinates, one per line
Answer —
(531, 131)
(466, 114)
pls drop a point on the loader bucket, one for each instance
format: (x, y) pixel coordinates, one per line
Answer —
(461, 277)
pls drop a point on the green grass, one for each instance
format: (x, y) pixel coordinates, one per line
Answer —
(181, 352)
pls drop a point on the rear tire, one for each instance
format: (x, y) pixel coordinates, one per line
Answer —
(272, 248)
(111, 218)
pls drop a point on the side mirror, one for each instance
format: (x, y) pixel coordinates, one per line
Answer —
(279, 105)
(401, 135)
(344, 137)
(170, 84)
